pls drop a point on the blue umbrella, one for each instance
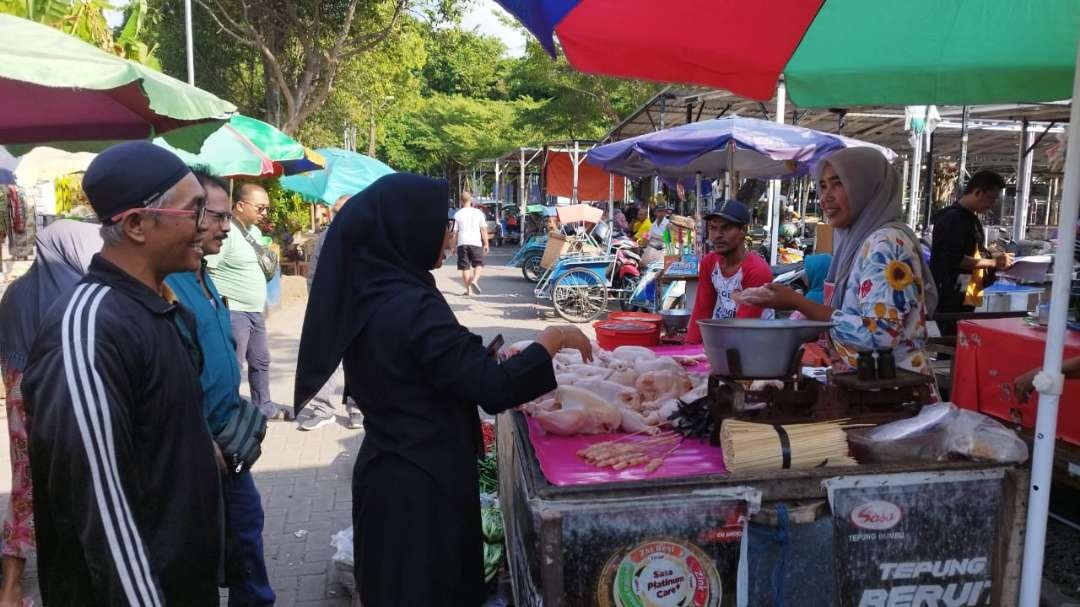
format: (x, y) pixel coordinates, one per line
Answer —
(755, 148)
(346, 174)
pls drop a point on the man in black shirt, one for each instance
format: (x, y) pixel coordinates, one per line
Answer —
(959, 248)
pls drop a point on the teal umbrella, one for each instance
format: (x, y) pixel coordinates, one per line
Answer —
(346, 173)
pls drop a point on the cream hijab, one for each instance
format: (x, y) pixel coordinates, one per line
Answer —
(873, 191)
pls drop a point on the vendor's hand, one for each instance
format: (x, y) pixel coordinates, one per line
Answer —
(773, 295)
(1004, 261)
(1023, 385)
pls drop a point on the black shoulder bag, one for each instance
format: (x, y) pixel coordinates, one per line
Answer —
(268, 260)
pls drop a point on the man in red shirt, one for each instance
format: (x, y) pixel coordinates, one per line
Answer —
(729, 268)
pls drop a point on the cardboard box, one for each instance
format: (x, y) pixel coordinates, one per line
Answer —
(823, 234)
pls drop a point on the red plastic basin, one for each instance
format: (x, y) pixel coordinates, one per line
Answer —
(611, 334)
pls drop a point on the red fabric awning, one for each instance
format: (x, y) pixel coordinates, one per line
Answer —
(592, 181)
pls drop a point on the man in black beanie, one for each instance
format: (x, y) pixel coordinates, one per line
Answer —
(126, 487)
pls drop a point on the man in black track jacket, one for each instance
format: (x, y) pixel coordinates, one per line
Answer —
(126, 489)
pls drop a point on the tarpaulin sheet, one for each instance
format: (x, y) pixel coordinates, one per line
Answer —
(989, 356)
(561, 465)
(593, 181)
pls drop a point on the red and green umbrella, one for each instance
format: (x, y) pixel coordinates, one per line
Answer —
(55, 87)
(831, 53)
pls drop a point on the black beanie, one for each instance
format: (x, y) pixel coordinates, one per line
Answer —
(127, 175)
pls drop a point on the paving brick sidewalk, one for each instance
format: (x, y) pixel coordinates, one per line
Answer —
(304, 477)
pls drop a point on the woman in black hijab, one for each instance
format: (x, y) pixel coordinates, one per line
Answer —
(418, 376)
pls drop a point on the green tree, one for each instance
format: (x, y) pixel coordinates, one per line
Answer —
(573, 105)
(85, 19)
(448, 132)
(465, 63)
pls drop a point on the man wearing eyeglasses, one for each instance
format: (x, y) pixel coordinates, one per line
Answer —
(241, 281)
(126, 489)
(245, 567)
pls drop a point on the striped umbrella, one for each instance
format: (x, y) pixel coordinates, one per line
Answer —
(832, 53)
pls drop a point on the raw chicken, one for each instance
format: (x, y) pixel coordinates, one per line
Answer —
(612, 392)
(582, 412)
(656, 384)
(633, 422)
(568, 357)
(589, 371)
(514, 349)
(566, 378)
(690, 361)
(626, 378)
(663, 363)
(633, 353)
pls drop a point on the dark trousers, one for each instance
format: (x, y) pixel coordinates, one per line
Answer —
(245, 568)
(249, 331)
(950, 301)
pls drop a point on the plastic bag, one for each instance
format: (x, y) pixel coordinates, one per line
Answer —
(937, 433)
(342, 542)
(981, 438)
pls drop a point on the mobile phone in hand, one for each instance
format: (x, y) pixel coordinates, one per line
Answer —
(494, 347)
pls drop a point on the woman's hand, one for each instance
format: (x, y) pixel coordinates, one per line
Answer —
(565, 336)
(772, 295)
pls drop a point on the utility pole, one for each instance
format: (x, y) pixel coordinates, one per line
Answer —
(189, 42)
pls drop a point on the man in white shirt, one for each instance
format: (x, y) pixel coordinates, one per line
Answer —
(470, 232)
(659, 225)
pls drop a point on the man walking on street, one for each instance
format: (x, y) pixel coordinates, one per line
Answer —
(321, 411)
(126, 488)
(245, 567)
(241, 282)
(959, 260)
(470, 232)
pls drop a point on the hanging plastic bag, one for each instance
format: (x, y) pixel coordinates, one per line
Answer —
(981, 438)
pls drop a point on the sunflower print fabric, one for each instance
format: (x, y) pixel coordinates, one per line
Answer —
(883, 303)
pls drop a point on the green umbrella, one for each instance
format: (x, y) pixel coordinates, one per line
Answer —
(54, 87)
(246, 147)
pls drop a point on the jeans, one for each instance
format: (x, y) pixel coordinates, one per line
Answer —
(249, 331)
(245, 568)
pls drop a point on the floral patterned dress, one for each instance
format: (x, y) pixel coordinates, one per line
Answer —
(18, 531)
(883, 304)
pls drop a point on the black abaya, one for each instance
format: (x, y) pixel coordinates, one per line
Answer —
(418, 377)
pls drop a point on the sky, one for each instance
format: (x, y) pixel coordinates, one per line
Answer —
(481, 16)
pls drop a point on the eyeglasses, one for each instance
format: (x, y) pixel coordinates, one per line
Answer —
(198, 212)
(222, 218)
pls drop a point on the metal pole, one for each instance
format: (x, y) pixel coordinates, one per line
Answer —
(190, 43)
(610, 208)
(929, 180)
(774, 184)
(1023, 184)
(574, 194)
(916, 170)
(1049, 382)
(962, 174)
(521, 201)
(698, 240)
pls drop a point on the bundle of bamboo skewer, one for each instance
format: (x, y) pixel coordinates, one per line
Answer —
(752, 447)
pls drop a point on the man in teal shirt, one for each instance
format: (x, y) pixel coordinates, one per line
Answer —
(245, 567)
(241, 282)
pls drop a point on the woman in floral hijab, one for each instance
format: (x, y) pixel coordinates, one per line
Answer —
(879, 290)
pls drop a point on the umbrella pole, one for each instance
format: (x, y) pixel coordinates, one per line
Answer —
(774, 184)
(1050, 382)
(699, 239)
(610, 207)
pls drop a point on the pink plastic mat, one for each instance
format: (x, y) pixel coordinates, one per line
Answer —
(701, 367)
(561, 465)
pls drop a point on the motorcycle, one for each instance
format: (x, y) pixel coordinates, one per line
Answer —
(792, 275)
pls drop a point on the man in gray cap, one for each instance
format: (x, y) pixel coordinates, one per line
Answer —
(728, 269)
(126, 487)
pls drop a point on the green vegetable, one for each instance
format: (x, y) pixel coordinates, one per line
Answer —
(488, 468)
(493, 561)
(491, 522)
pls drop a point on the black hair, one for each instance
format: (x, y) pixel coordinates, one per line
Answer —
(207, 178)
(984, 180)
